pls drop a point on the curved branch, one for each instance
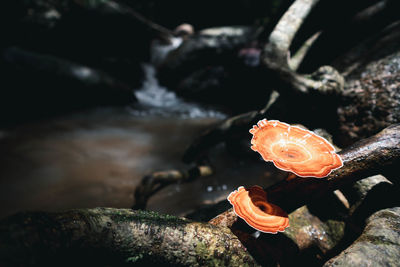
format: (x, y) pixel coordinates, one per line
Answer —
(297, 58)
(276, 57)
(281, 38)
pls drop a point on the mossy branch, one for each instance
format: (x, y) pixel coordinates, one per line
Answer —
(110, 236)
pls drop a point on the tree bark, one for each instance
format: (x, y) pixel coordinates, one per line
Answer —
(108, 236)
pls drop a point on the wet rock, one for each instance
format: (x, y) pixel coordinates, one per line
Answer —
(218, 66)
(207, 47)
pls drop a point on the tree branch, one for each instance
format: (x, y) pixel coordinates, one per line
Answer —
(276, 57)
(296, 59)
(277, 48)
(110, 236)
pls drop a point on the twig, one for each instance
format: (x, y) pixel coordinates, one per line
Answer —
(296, 59)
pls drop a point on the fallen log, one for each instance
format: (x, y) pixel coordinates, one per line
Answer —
(110, 236)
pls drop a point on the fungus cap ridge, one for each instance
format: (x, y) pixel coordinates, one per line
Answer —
(252, 206)
(302, 151)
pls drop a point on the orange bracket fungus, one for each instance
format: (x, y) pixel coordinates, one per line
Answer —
(293, 149)
(252, 206)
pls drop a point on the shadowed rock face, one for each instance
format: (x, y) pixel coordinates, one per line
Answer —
(215, 66)
(379, 244)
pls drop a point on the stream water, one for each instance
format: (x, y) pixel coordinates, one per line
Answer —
(97, 157)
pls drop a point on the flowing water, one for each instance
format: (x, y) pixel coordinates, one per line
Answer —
(97, 157)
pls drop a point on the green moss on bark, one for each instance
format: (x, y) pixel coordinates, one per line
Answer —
(117, 237)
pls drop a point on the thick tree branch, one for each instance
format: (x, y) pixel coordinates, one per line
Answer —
(109, 236)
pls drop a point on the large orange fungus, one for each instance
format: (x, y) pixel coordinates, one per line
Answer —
(252, 206)
(293, 149)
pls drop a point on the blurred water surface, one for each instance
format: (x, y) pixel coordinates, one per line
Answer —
(97, 157)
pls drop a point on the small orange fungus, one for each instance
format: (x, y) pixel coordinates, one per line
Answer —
(252, 206)
(293, 149)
